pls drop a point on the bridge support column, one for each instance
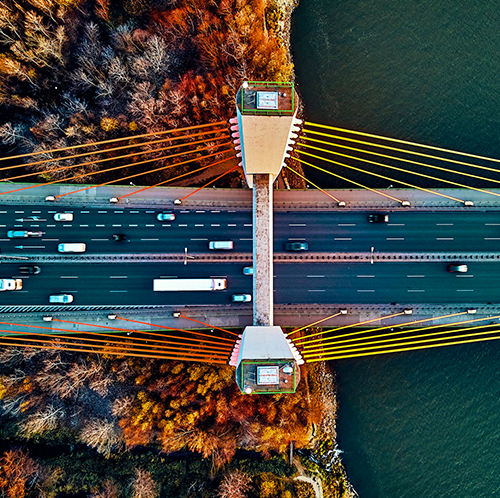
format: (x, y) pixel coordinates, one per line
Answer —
(263, 249)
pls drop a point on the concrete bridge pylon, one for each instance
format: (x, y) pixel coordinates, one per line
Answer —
(263, 131)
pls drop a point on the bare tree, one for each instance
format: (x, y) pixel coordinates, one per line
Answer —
(143, 485)
(42, 421)
(234, 485)
(103, 435)
(108, 490)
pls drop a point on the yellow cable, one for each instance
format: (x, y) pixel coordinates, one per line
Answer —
(351, 325)
(440, 149)
(417, 163)
(379, 176)
(413, 348)
(313, 184)
(404, 340)
(312, 324)
(353, 182)
(398, 169)
(338, 338)
(406, 151)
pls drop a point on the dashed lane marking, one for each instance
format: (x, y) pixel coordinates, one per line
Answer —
(395, 238)
(342, 238)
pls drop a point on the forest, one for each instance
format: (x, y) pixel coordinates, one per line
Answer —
(104, 426)
(81, 71)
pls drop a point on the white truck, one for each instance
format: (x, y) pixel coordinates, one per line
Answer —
(189, 284)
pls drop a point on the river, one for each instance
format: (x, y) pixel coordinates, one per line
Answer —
(424, 423)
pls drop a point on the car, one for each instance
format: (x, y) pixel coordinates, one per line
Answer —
(61, 298)
(72, 247)
(296, 246)
(165, 217)
(119, 237)
(21, 234)
(248, 270)
(63, 217)
(10, 284)
(241, 298)
(457, 268)
(220, 245)
(378, 218)
(31, 269)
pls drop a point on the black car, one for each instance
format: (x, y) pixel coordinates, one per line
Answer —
(31, 269)
(378, 218)
(119, 237)
(296, 246)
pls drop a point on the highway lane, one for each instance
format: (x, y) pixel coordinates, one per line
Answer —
(388, 282)
(339, 231)
(192, 229)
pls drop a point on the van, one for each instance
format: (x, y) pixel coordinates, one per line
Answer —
(225, 245)
(72, 247)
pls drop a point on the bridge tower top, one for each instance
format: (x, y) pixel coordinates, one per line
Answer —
(266, 113)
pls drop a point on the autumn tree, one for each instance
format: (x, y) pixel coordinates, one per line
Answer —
(19, 473)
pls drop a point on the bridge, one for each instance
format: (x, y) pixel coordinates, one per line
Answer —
(359, 276)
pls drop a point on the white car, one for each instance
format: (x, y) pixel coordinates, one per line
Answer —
(241, 298)
(61, 298)
(63, 217)
(11, 284)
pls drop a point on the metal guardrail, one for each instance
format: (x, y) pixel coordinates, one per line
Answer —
(55, 309)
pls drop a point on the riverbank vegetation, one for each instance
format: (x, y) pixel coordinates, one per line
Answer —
(94, 422)
(80, 71)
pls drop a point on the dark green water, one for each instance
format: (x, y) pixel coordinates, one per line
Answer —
(423, 424)
(419, 70)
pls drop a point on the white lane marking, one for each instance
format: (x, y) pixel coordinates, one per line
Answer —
(102, 212)
(465, 276)
(4, 240)
(366, 290)
(149, 225)
(119, 291)
(229, 225)
(232, 211)
(17, 226)
(132, 225)
(395, 224)
(117, 211)
(315, 276)
(67, 225)
(98, 239)
(492, 224)
(215, 211)
(50, 226)
(67, 277)
(3, 226)
(166, 225)
(117, 276)
(50, 240)
(342, 238)
(444, 224)
(100, 225)
(51, 212)
(415, 276)
(81, 211)
(36, 226)
(36, 212)
(200, 211)
(199, 239)
(247, 225)
(183, 211)
(245, 239)
(84, 225)
(214, 225)
(416, 290)
(116, 225)
(465, 290)
(297, 224)
(365, 276)
(295, 238)
(199, 225)
(492, 238)
(149, 212)
(22, 291)
(395, 238)
(182, 225)
(346, 224)
(150, 239)
(133, 211)
(444, 238)
(18, 211)
(316, 290)
(3, 212)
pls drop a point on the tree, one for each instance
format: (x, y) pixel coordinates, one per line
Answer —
(234, 485)
(143, 485)
(18, 473)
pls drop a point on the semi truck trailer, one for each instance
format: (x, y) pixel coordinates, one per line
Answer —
(189, 284)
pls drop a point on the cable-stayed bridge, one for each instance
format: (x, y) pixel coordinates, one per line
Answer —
(387, 283)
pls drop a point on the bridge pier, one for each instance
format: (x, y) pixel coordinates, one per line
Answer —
(263, 250)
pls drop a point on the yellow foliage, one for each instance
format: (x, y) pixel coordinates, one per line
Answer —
(133, 126)
(108, 124)
(178, 368)
(3, 390)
